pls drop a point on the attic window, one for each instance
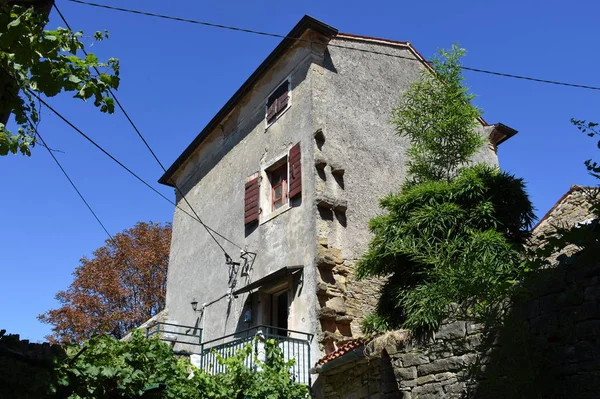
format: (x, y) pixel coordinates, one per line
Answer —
(278, 101)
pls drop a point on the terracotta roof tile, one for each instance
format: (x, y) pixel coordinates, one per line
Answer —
(349, 346)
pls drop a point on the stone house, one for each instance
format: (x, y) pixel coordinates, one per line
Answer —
(290, 170)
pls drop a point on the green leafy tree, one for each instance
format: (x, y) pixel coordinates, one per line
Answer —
(437, 116)
(451, 241)
(45, 62)
(445, 243)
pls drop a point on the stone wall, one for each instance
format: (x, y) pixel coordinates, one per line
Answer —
(548, 345)
(397, 366)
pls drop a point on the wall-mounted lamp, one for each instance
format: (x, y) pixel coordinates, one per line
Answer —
(194, 304)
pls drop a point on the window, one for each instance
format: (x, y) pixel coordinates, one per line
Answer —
(268, 191)
(278, 178)
(278, 101)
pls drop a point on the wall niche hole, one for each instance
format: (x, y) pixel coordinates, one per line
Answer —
(319, 139)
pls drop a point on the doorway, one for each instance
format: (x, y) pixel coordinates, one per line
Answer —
(280, 312)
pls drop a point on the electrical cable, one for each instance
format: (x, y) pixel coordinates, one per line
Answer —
(209, 230)
(233, 28)
(117, 161)
(71, 182)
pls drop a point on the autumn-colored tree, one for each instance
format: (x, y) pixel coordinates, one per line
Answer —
(119, 288)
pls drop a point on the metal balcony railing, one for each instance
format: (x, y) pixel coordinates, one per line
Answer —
(293, 344)
(176, 333)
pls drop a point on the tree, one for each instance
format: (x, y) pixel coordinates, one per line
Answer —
(122, 286)
(445, 243)
(436, 114)
(44, 62)
(451, 241)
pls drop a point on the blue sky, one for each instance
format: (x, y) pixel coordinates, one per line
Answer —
(176, 76)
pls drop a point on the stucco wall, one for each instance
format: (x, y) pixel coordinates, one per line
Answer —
(213, 181)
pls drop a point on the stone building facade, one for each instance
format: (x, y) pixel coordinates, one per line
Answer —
(547, 347)
(290, 170)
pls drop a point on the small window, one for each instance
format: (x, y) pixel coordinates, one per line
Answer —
(278, 178)
(278, 101)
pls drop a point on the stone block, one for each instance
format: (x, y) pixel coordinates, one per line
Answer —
(473, 328)
(444, 376)
(428, 389)
(337, 304)
(327, 313)
(426, 379)
(406, 373)
(413, 359)
(451, 331)
(440, 366)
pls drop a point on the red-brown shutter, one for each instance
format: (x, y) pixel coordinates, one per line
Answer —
(282, 101)
(295, 167)
(251, 200)
(272, 110)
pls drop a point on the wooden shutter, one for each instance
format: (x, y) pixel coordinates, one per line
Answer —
(295, 168)
(251, 200)
(282, 101)
(272, 110)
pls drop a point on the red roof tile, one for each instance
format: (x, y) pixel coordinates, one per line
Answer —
(342, 350)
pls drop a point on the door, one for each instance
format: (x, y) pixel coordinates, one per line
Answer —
(280, 312)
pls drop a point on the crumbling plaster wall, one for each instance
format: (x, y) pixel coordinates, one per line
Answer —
(359, 159)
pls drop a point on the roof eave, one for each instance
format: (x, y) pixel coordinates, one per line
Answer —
(501, 133)
(307, 22)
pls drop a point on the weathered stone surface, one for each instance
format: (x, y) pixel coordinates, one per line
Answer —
(425, 379)
(407, 373)
(337, 305)
(413, 359)
(441, 365)
(327, 313)
(454, 330)
(563, 325)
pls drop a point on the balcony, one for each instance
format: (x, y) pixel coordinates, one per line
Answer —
(293, 344)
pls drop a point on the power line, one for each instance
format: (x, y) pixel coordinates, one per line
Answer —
(209, 230)
(125, 167)
(126, 259)
(237, 29)
(45, 145)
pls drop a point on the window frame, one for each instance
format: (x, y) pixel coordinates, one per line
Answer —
(278, 171)
(266, 188)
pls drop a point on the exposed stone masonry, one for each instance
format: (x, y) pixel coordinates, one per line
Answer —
(342, 300)
(548, 346)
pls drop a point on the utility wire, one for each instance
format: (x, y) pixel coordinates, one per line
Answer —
(45, 145)
(121, 164)
(209, 230)
(233, 28)
(126, 259)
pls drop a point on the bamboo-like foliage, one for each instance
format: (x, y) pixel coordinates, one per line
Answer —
(447, 242)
